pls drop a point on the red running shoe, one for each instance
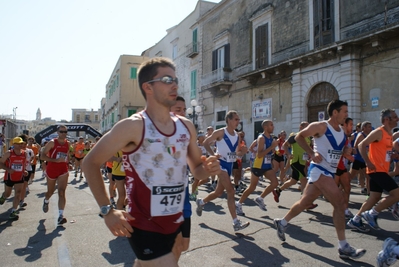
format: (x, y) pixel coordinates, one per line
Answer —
(276, 195)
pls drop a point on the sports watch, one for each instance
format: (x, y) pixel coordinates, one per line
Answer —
(104, 210)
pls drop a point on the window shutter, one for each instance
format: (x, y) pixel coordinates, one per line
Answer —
(227, 56)
(262, 48)
(133, 73)
(193, 89)
(130, 112)
(214, 60)
(195, 47)
(257, 47)
(316, 22)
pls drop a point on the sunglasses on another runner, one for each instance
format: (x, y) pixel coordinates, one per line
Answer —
(166, 79)
(63, 132)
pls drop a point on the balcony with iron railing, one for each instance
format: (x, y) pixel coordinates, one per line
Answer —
(218, 81)
(192, 49)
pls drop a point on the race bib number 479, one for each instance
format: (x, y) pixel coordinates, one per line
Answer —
(167, 200)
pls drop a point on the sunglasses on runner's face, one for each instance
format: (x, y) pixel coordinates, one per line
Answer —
(62, 131)
(165, 79)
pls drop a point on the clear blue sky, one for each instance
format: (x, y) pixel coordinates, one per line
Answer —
(59, 55)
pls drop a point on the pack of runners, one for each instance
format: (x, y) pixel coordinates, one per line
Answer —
(148, 158)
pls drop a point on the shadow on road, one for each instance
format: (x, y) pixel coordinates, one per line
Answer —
(327, 261)
(38, 242)
(252, 254)
(121, 252)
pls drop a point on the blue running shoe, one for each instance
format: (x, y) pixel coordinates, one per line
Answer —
(371, 220)
(349, 252)
(386, 257)
(357, 225)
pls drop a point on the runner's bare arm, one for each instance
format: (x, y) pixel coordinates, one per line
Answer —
(313, 129)
(46, 150)
(374, 136)
(201, 167)
(125, 135)
(215, 136)
(3, 160)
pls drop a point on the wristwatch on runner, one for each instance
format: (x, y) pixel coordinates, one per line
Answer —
(104, 210)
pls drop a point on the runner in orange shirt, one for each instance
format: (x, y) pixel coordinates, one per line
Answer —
(79, 147)
(377, 161)
(36, 149)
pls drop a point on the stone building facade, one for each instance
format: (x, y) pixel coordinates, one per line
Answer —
(285, 60)
(182, 44)
(122, 93)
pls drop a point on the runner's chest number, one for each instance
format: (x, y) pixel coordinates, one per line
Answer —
(167, 200)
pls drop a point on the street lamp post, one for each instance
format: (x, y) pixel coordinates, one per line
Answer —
(193, 111)
(14, 113)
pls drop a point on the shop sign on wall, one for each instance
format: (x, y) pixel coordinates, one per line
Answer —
(374, 102)
(321, 116)
(262, 109)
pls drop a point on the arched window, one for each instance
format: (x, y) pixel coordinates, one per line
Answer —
(318, 100)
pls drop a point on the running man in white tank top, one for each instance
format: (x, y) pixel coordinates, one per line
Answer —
(228, 149)
(329, 139)
(166, 144)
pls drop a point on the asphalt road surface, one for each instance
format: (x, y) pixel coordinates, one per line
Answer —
(35, 239)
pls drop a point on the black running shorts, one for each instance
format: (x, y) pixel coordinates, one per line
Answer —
(150, 245)
(380, 181)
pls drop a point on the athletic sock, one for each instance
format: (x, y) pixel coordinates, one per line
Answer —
(373, 212)
(342, 243)
(357, 218)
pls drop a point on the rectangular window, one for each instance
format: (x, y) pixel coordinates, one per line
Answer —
(174, 51)
(221, 57)
(261, 46)
(323, 14)
(195, 42)
(193, 88)
(112, 119)
(221, 115)
(78, 118)
(96, 118)
(133, 73)
(87, 118)
(130, 112)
